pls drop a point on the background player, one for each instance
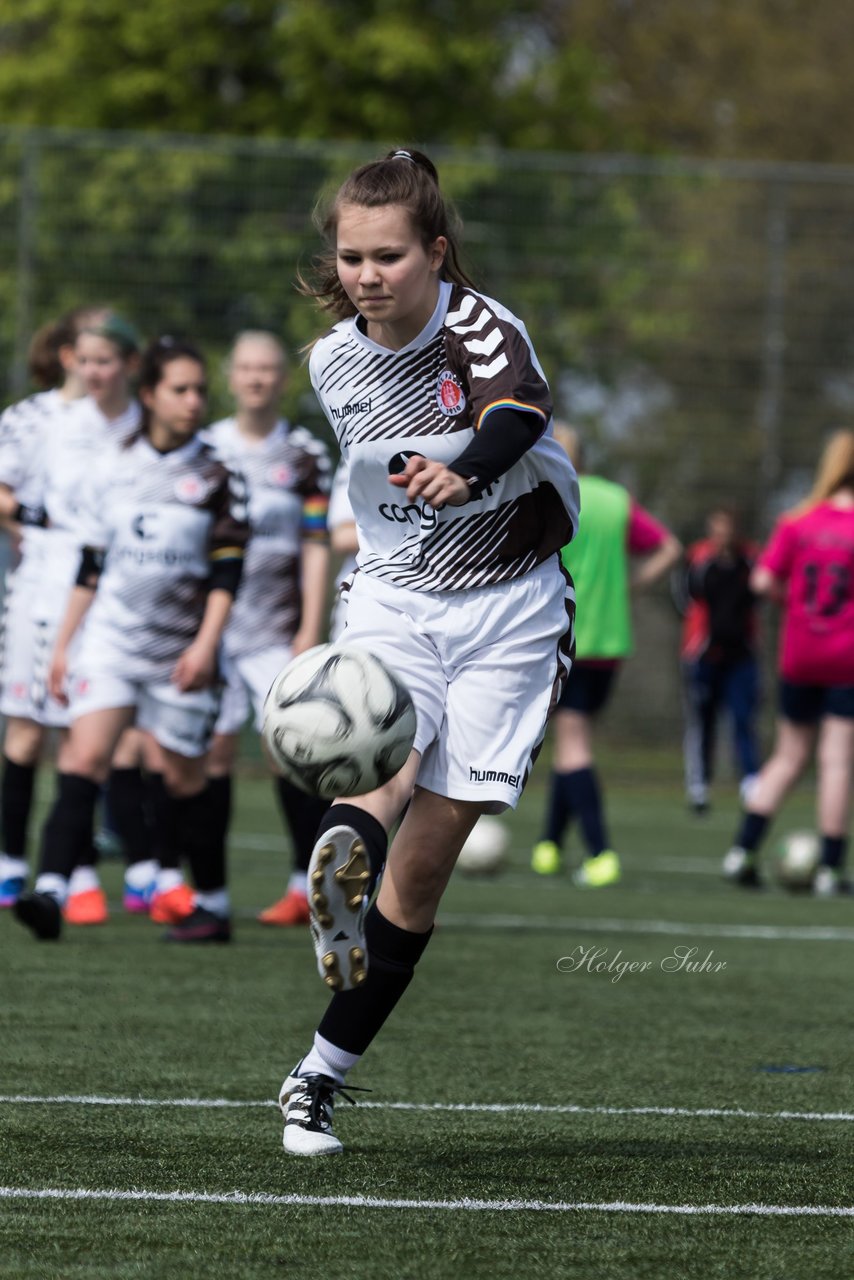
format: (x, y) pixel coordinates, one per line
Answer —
(463, 501)
(613, 529)
(164, 538)
(808, 567)
(281, 609)
(719, 661)
(44, 461)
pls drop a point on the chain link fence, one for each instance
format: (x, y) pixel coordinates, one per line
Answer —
(696, 320)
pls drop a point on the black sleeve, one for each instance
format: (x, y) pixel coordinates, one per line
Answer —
(225, 575)
(91, 567)
(506, 435)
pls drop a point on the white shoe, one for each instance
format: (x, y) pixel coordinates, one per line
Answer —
(829, 883)
(739, 866)
(307, 1104)
(339, 874)
(745, 787)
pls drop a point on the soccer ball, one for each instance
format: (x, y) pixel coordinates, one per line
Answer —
(484, 850)
(798, 860)
(337, 722)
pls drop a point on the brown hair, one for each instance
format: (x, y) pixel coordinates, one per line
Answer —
(155, 358)
(402, 177)
(46, 368)
(835, 471)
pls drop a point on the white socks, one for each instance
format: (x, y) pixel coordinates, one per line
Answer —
(83, 879)
(217, 902)
(326, 1059)
(56, 886)
(12, 867)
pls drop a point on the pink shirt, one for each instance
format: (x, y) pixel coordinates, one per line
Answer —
(813, 554)
(645, 534)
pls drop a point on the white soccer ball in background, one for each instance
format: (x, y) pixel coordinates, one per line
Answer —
(484, 850)
(337, 722)
(799, 856)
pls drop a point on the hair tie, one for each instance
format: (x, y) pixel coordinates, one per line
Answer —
(402, 155)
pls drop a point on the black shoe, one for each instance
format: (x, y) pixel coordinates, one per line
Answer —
(200, 925)
(41, 913)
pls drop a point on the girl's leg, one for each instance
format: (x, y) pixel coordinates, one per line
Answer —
(792, 751)
(22, 748)
(200, 837)
(83, 765)
(835, 770)
(397, 929)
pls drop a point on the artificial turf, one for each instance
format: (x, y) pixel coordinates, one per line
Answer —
(762, 1028)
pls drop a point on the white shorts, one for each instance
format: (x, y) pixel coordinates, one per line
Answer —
(247, 683)
(484, 667)
(180, 722)
(29, 635)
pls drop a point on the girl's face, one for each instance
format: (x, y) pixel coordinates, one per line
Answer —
(102, 367)
(386, 272)
(177, 404)
(257, 375)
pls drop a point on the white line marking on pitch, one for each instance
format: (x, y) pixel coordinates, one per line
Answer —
(581, 924)
(466, 1205)
(486, 1108)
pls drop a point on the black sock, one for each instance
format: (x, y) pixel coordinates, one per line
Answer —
(67, 834)
(353, 1018)
(751, 832)
(559, 812)
(833, 851)
(364, 824)
(16, 802)
(161, 819)
(220, 793)
(303, 814)
(585, 798)
(202, 839)
(124, 802)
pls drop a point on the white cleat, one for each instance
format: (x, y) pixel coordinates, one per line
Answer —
(829, 883)
(339, 875)
(307, 1103)
(739, 866)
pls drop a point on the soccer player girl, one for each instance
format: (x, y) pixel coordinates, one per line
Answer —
(280, 611)
(48, 443)
(164, 530)
(621, 549)
(808, 568)
(463, 500)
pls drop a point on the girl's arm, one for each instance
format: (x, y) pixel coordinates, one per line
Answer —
(196, 668)
(79, 603)
(314, 574)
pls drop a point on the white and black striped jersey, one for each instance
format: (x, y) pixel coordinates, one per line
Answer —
(162, 520)
(22, 459)
(430, 398)
(47, 463)
(287, 474)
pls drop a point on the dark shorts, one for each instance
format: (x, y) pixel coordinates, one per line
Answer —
(807, 703)
(587, 689)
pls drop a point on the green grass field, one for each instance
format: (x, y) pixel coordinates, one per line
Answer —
(661, 1124)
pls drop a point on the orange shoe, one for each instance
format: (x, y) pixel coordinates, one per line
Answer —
(89, 907)
(288, 911)
(173, 906)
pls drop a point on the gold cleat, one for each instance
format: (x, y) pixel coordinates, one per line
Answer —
(339, 879)
(354, 876)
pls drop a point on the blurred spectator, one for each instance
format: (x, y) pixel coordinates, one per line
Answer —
(719, 663)
(613, 529)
